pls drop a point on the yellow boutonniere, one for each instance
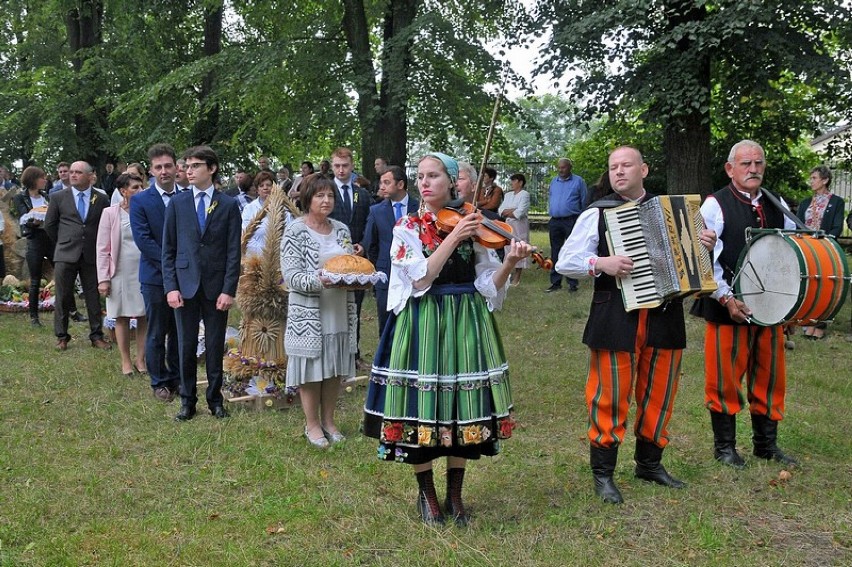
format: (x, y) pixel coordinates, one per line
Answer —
(92, 200)
(212, 207)
(355, 196)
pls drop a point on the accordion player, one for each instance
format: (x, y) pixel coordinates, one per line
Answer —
(661, 236)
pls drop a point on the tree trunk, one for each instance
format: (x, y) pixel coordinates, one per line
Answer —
(207, 126)
(687, 152)
(84, 28)
(686, 140)
(392, 135)
(382, 115)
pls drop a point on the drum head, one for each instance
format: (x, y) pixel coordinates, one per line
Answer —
(769, 279)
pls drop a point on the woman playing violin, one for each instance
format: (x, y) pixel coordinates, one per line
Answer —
(439, 384)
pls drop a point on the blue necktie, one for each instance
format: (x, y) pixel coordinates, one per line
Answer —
(81, 206)
(201, 211)
(347, 203)
(397, 210)
(169, 200)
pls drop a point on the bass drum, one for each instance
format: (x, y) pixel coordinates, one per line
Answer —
(792, 277)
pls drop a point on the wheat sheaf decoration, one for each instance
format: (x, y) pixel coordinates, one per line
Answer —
(261, 292)
(263, 338)
(262, 301)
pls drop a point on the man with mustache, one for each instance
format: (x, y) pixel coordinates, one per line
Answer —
(733, 346)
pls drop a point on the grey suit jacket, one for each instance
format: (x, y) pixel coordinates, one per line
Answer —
(75, 239)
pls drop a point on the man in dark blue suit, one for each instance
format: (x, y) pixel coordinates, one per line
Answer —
(147, 217)
(379, 233)
(201, 267)
(351, 207)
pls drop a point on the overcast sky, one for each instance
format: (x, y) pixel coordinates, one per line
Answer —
(524, 61)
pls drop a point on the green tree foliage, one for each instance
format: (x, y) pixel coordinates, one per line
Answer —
(540, 128)
(691, 65)
(283, 78)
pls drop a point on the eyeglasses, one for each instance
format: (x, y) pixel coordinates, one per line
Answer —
(196, 165)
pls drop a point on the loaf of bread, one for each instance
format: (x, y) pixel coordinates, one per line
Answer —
(349, 264)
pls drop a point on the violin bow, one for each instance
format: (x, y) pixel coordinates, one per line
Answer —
(490, 138)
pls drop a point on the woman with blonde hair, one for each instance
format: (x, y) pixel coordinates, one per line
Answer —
(439, 384)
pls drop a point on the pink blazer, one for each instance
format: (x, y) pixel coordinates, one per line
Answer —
(109, 242)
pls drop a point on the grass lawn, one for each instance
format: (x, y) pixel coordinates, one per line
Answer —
(94, 471)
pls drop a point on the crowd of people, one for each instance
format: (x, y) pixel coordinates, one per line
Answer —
(167, 253)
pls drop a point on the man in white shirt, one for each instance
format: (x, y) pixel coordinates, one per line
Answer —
(646, 342)
(734, 347)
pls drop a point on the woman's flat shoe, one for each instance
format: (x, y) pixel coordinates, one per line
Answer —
(319, 443)
(140, 370)
(336, 437)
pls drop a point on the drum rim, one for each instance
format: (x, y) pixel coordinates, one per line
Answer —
(758, 234)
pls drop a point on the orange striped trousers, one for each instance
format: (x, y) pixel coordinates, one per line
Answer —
(734, 351)
(652, 373)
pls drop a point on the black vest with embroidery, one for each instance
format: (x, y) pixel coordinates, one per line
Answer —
(610, 327)
(738, 214)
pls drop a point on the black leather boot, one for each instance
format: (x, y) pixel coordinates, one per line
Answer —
(453, 504)
(33, 300)
(764, 439)
(648, 467)
(725, 439)
(603, 462)
(427, 499)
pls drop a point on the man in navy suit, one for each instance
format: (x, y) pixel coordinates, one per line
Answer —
(201, 267)
(379, 232)
(351, 207)
(147, 217)
(72, 220)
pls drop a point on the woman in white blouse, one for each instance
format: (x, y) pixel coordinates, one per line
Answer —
(439, 385)
(514, 209)
(263, 182)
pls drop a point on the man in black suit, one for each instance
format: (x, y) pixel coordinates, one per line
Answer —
(201, 266)
(379, 233)
(72, 220)
(351, 207)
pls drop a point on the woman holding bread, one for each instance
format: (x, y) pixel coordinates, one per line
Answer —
(320, 335)
(439, 385)
(31, 206)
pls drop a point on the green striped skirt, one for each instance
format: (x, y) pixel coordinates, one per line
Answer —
(439, 385)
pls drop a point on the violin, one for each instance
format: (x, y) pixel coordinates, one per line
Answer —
(492, 234)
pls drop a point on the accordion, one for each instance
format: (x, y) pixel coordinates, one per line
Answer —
(661, 237)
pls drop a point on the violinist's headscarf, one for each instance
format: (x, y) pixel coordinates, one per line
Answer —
(450, 164)
(452, 168)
